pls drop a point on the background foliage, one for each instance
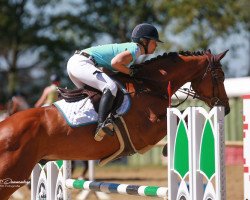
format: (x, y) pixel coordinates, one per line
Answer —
(38, 37)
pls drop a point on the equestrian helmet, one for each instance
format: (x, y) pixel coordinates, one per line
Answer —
(145, 30)
(54, 78)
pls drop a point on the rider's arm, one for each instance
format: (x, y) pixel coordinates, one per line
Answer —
(121, 61)
(43, 98)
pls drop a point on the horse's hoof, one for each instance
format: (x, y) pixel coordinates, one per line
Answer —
(165, 150)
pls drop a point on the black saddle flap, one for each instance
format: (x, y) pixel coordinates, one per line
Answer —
(76, 94)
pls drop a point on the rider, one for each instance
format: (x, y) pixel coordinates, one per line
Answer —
(49, 95)
(84, 67)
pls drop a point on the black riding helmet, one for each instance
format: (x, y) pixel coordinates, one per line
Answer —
(54, 78)
(146, 31)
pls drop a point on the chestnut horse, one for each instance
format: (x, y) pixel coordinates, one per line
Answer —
(42, 133)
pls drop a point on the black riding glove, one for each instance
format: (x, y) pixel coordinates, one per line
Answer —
(133, 70)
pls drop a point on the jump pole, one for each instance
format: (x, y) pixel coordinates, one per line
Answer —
(85, 193)
(138, 190)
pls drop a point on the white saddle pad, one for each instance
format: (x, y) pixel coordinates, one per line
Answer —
(82, 113)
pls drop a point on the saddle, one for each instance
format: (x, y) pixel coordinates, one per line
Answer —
(74, 95)
(126, 145)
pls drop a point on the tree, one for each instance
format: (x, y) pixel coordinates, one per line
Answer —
(205, 21)
(38, 37)
(21, 48)
(30, 44)
(117, 18)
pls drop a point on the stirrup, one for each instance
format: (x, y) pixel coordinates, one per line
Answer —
(107, 129)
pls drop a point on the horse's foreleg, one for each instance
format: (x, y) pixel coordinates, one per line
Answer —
(85, 167)
(15, 170)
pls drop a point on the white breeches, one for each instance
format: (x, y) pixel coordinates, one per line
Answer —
(81, 71)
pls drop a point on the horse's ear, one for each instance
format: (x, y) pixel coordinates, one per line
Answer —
(221, 55)
(208, 50)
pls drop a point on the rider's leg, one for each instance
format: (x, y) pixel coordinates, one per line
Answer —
(105, 107)
(82, 71)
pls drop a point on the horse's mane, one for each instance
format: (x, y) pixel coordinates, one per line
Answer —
(168, 59)
(172, 55)
(194, 53)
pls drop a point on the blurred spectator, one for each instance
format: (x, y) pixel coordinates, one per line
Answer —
(49, 95)
(17, 103)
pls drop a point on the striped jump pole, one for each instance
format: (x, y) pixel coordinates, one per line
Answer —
(150, 191)
(84, 194)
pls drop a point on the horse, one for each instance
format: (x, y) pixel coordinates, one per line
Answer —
(42, 133)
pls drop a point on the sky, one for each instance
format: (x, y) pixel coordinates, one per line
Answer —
(237, 59)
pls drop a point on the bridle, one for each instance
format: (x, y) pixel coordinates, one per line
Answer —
(217, 75)
(213, 68)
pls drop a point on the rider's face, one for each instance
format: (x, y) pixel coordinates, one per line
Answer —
(152, 46)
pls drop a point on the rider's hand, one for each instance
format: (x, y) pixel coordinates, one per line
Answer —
(133, 70)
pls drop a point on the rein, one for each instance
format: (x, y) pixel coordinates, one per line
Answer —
(189, 92)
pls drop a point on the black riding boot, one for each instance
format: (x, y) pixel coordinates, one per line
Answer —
(105, 107)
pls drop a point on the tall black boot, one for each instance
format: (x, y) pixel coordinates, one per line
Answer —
(105, 107)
